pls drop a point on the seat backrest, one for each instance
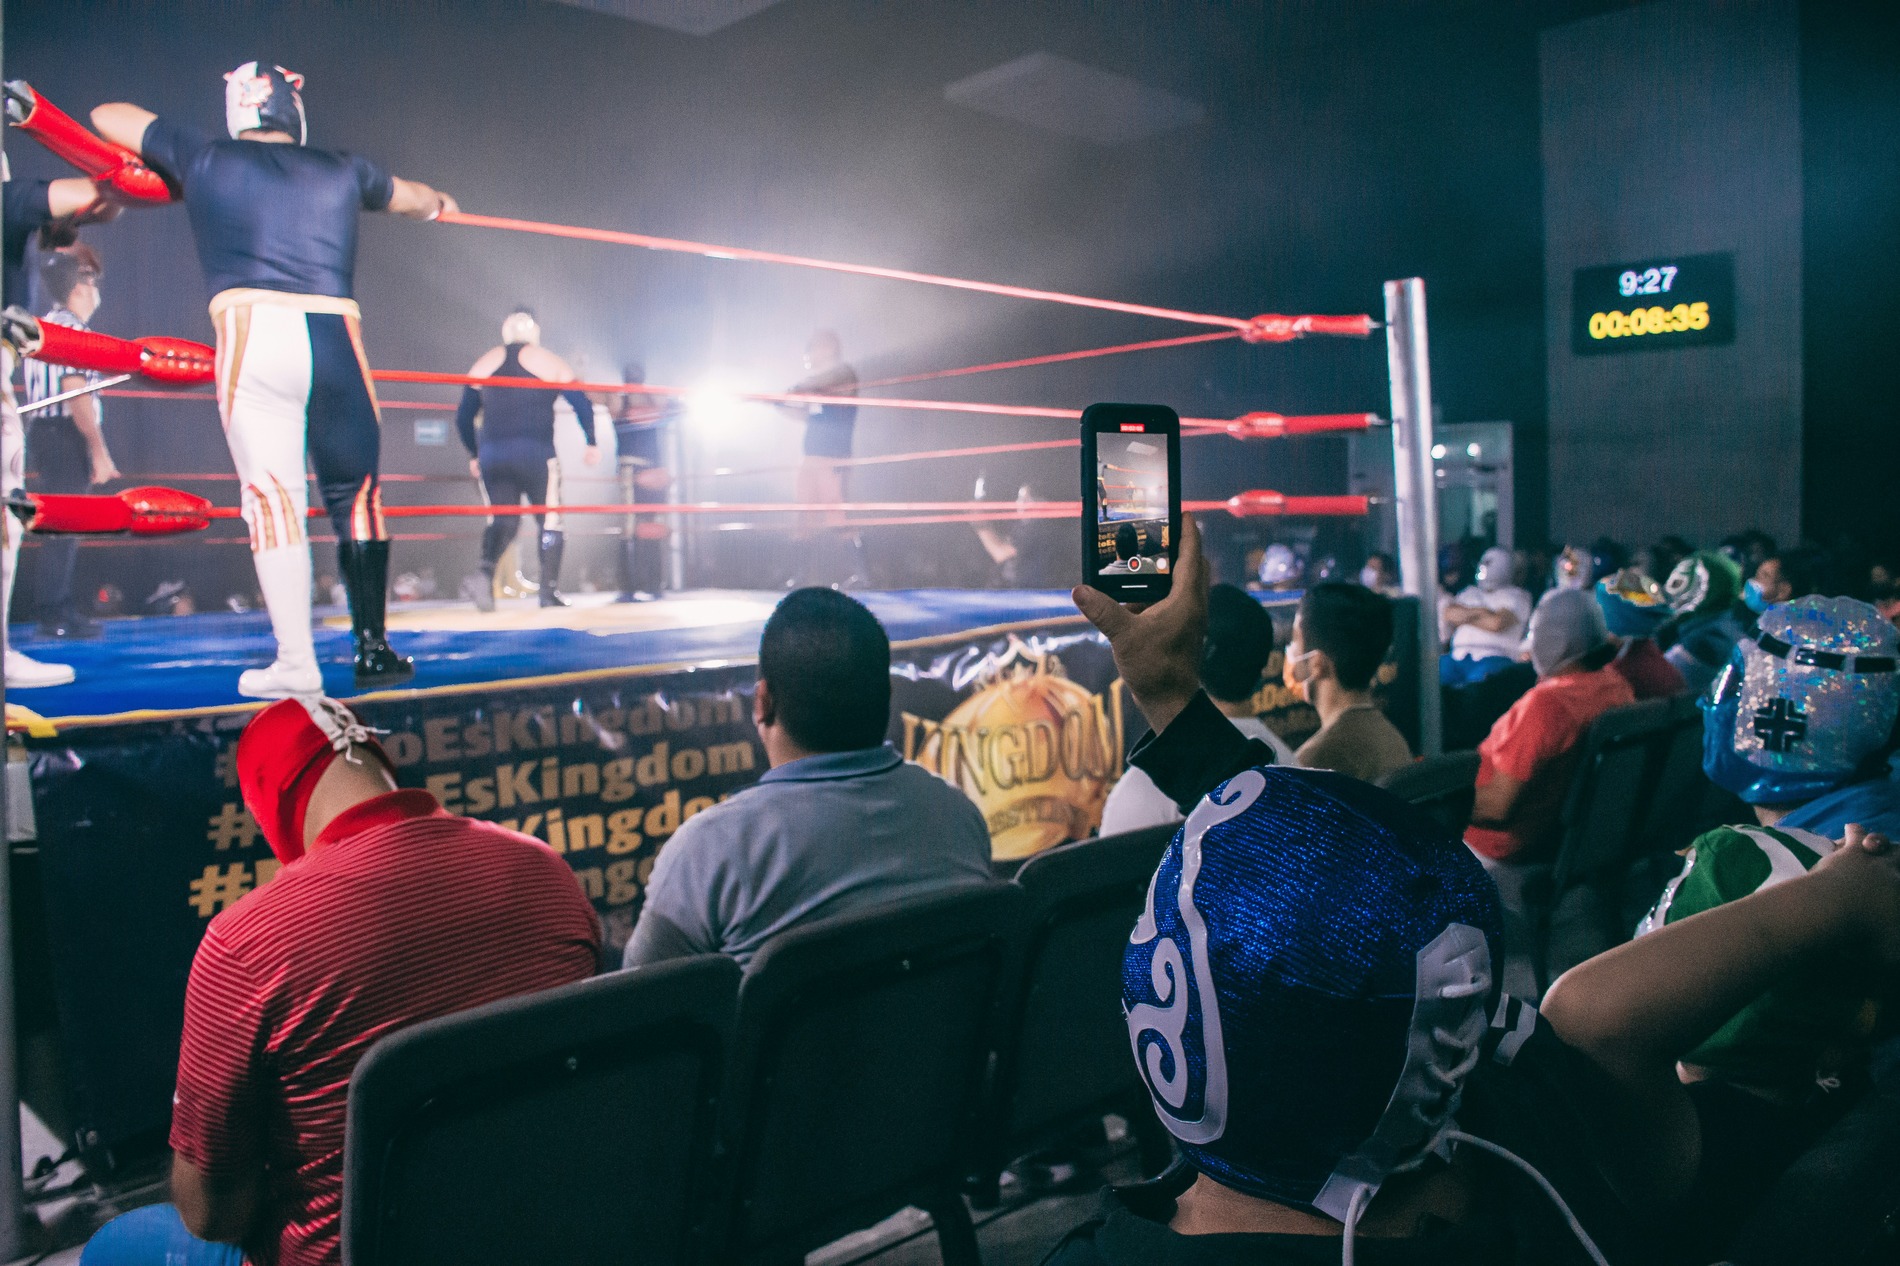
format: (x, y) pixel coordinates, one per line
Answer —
(560, 1126)
(1061, 1043)
(1443, 786)
(860, 1055)
(1606, 800)
(1670, 817)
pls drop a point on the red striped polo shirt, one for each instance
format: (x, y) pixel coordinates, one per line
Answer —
(399, 913)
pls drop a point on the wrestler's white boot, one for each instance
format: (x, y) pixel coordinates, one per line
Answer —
(23, 671)
(284, 576)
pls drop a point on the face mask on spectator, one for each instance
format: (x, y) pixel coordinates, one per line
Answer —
(1494, 569)
(1280, 566)
(1632, 604)
(1572, 570)
(1371, 577)
(1801, 708)
(282, 756)
(1703, 584)
(1296, 674)
(1566, 626)
(1753, 598)
(1298, 910)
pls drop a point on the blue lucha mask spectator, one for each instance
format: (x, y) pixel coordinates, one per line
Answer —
(1801, 708)
(1633, 605)
(1308, 986)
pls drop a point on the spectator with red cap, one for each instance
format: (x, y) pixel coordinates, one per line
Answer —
(388, 911)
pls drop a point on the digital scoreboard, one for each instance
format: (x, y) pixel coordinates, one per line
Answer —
(1681, 301)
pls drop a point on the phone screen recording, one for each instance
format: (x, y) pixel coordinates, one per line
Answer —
(1132, 529)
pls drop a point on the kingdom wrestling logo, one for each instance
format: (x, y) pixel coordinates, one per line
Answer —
(1035, 751)
(1177, 1038)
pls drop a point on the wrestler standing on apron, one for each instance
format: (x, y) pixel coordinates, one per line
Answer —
(275, 222)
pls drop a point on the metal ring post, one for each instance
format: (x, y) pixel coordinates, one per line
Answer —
(1408, 362)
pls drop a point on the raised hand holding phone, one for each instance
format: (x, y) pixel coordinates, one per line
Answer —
(1157, 646)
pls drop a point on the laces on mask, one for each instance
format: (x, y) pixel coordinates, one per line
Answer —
(342, 727)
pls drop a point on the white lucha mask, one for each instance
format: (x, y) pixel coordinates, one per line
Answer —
(260, 97)
(520, 327)
(1494, 569)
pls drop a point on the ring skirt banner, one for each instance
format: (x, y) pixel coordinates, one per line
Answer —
(143, 837)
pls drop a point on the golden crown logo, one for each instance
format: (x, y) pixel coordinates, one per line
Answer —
(1035, 751)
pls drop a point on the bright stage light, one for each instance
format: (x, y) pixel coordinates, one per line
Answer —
(714, 403)
(711, 398)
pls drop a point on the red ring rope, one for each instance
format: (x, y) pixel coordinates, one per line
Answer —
(1260, 502)
(1056, 358)
(1266, 328)
(766, 397)
(1243, 427)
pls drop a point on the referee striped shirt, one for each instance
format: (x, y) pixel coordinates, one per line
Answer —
(44, 379)
(401, 912)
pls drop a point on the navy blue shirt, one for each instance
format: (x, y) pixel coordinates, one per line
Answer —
(269, 217)
(828, 426)
(28, 204)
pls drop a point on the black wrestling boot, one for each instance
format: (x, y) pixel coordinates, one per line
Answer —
(365, 566)
(552, 543)
(629, 569)
(480, 588)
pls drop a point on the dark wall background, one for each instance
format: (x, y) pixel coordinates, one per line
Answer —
(1344, 144)
(1674, 128)
(1850, 135)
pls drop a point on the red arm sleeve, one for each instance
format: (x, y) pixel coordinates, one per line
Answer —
(218, 1119)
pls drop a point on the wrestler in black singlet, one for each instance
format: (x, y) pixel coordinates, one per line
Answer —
(516, 452)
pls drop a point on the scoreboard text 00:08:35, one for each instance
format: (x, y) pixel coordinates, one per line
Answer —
(1680, 319)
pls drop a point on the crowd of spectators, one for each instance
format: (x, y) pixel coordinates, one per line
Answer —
(1343, 1063)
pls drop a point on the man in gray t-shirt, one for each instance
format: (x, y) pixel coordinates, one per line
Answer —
(839, 823)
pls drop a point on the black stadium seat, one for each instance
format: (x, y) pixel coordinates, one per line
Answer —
(1062, 1052)
(1442, 786)
(559, 1127)
(1584, 907)
(1671, 818)
(857, 1074)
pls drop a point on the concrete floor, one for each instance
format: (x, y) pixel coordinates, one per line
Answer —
(1019, 1232)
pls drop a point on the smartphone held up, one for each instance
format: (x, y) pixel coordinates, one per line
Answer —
(1131, 499)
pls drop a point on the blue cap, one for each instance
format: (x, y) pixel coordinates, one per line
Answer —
(1309, 984)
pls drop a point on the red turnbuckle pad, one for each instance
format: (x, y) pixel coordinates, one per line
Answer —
(1270, 426)
(176, 360)
(1256, 502)
(1271, 327)
(160, 511)
(1260, 502)
(158, 357)
(96, 157)
(139, 511)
